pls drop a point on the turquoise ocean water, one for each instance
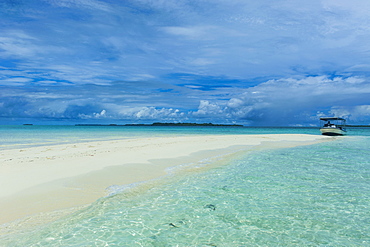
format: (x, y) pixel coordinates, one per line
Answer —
(316, 195)
(19, 136)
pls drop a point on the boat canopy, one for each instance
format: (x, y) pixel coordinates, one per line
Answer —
(332, 118)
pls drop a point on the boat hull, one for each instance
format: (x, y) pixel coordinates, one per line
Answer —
(332, 131)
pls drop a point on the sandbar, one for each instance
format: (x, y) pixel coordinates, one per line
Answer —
(43, 179)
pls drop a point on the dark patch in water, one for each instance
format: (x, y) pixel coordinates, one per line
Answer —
(210, 206)
(173, 225)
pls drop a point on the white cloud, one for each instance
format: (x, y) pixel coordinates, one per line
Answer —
(207, 108)
(285, 102)
(101, 114)
(194, 32)
(291, 101)
(355, 7)
(149, 113)
(235, 103)
(354, 114)
(15, 81)
(153, 113)
(17, 47)
(89, 4)
(202, 62)
(235, 38)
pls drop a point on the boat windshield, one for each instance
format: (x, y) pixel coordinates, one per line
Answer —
(333, 122)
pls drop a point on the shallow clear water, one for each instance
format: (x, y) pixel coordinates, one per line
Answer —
(317, 195)
(19, 136)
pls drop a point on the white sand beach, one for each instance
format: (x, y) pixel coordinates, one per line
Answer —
(47, 178)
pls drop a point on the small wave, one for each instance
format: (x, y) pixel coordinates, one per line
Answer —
(116, 189)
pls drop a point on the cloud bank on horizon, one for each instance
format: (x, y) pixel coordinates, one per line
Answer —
(268, 62)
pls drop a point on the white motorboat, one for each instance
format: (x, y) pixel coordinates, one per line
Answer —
(333, 126)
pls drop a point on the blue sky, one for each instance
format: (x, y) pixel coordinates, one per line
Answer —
(267, 62)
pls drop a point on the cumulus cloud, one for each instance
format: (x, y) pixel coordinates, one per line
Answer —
(293, 101)
(288, 101)
(356, 114)
(152, 113)
(207, 108)
(95, 115)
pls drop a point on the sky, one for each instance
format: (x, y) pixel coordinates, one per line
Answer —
(256, 63)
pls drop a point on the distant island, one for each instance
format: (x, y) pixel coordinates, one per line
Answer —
(165, 124)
